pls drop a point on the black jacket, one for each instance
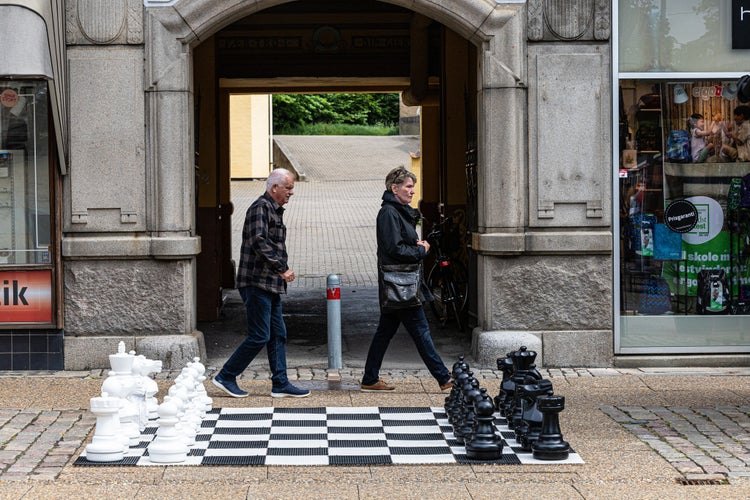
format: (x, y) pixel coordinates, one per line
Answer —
(397, 234)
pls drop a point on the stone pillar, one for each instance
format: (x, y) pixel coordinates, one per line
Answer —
(545, 241)
(128, 237)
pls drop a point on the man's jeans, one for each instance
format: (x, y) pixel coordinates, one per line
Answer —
(265, 327)
(416, 324)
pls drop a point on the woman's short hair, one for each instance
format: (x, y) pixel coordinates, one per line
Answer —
(398, 176)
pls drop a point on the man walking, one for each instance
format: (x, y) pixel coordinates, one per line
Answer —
(262, 277)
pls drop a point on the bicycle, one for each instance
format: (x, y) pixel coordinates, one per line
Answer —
(446, 279)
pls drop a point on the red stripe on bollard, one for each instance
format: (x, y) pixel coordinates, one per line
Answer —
(333, 294)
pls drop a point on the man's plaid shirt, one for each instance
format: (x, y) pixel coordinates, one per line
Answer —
(263, 255)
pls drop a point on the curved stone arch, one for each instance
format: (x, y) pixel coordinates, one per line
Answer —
(475, 20)
(497, 29)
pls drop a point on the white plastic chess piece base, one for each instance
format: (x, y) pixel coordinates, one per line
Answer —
(106, 445)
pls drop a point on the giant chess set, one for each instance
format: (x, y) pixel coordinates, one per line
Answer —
(519, 426)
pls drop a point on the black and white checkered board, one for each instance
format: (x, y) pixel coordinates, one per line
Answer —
(328, 436)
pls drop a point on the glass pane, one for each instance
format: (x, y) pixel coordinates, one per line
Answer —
(677, 35)
(684, 194)
(24, 173)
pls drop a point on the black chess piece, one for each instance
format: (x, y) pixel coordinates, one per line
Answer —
(458, 368)
(484, 443)
(531, 425)
(524, 372)
(456, 408)
(550, 445)
(507, 386)
(465, 423)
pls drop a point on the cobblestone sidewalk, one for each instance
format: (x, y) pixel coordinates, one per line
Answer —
(709, 442)
(37, 444)
(701, 443)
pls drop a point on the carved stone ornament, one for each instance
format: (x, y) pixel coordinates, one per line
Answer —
(568, 20)
(102, 22)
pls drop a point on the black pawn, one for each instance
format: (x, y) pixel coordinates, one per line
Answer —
(459, 367)
(550, 445)
(455, 408)
(465, 422)
(484, 443)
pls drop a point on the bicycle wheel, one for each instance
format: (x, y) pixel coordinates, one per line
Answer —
(451, 303)
(460, 283)
(450, 295)
(435, 283)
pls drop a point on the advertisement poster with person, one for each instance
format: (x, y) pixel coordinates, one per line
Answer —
(706, 246)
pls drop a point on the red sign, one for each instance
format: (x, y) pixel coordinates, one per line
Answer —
(333, 294)
(9, 98)
(26, 296)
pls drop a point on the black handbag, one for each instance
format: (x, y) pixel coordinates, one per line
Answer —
(400, 285)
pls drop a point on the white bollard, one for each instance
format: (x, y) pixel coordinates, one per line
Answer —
(333, 296)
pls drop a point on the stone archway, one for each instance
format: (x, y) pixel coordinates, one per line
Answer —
(544, 198)
(496, 29)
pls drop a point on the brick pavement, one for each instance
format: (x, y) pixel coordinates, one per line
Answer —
(331, 217)
(707, 443)
(701, 443)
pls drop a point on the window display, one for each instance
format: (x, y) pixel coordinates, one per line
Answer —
(24, 174)
(684, 199)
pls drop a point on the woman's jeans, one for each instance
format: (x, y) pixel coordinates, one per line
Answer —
(265, 327)
(416, 324)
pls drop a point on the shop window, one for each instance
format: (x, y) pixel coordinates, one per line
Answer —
(684, 198)
(25, 231)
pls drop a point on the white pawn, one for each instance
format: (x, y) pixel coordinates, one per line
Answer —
(188, 381)
(203, 396)
(106, 445)
(168, 446)
(184, 426)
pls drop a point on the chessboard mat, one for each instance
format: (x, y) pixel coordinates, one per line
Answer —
(328, 436)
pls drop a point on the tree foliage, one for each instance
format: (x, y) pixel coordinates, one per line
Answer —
(291, 111)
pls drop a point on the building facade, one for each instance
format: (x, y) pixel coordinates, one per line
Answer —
(519, 131)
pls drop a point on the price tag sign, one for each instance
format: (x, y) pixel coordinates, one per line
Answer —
(681, 216)
(9, 98)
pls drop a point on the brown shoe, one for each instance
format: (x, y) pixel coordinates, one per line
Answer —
(376, 387)
(446, 386)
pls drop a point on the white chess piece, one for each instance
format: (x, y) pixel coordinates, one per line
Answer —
(143, 367)
(186, 425)
(106, 445)
(168, 445)
(203, 396)
(120, 385)
(121, 362)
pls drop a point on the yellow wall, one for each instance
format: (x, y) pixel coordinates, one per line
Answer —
(249, 134)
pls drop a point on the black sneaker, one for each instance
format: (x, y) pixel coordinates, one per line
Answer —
(289, 391)
(229, 386)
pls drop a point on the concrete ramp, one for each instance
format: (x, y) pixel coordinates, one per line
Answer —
(350, 157)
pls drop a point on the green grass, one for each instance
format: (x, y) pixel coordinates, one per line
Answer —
(338, 129)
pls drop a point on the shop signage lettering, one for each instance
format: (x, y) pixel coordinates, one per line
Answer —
(706, 93)
(741, 24)
(713, 254)
(26, 296)
(18, 294)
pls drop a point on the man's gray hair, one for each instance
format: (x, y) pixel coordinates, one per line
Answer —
(277, 177)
